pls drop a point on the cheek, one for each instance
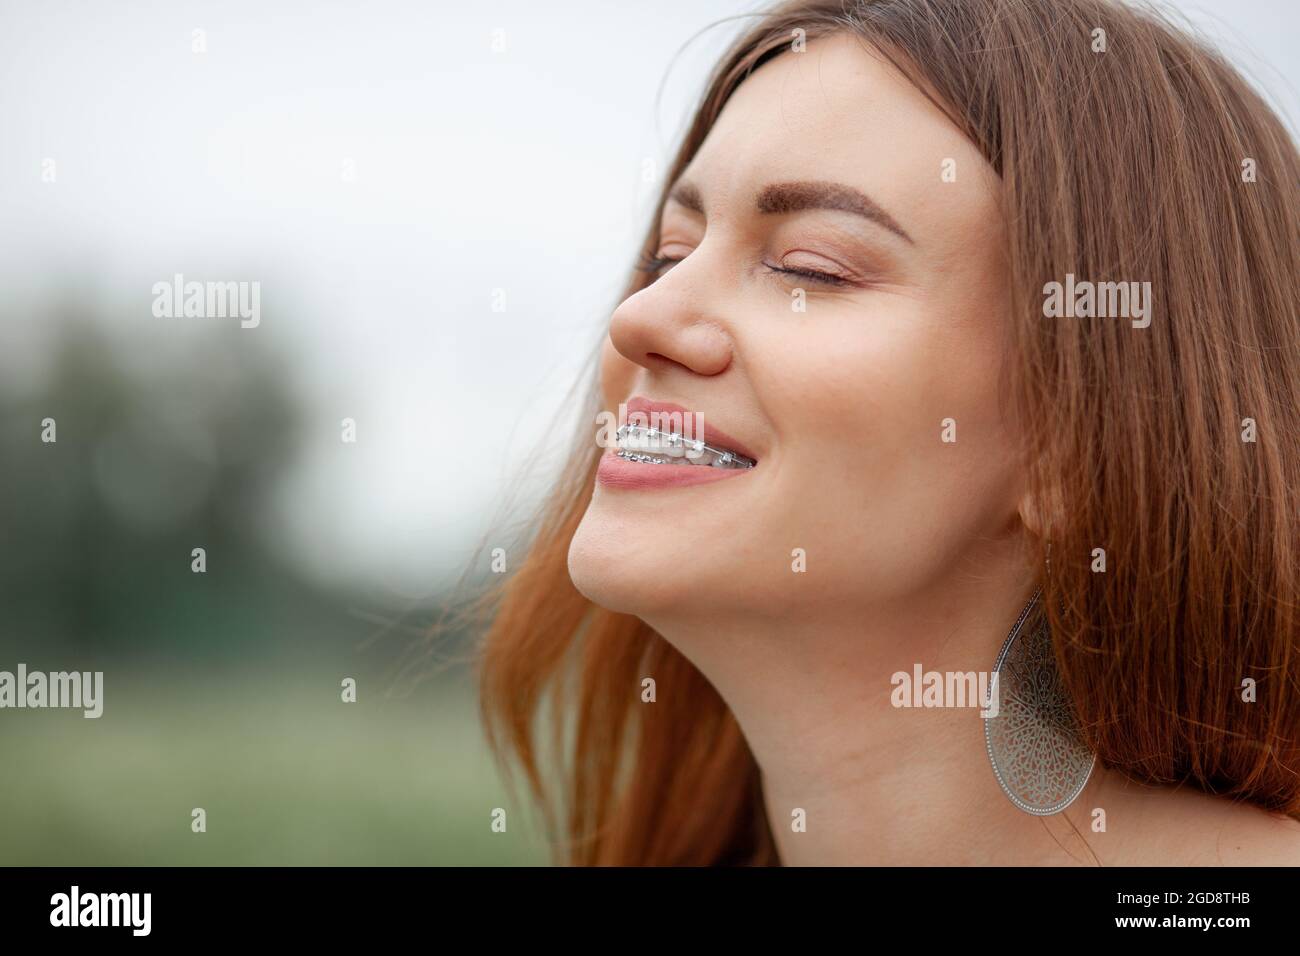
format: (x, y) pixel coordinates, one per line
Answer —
(891, 372)
(863, 421)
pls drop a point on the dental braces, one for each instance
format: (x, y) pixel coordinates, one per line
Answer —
(639, 436)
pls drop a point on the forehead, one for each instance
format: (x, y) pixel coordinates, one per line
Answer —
(840, 112)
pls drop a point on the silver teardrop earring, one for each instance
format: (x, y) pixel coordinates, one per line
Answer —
(1033, 740)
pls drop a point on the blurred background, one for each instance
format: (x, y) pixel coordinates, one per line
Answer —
(440, 203)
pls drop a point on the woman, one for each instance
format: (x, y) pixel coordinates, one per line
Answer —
(989, 313)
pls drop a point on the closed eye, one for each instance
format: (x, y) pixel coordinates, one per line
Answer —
(656, 266)
(813, 275)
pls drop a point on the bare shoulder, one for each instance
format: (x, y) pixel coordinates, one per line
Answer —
(1151, 826)
(1251, 836)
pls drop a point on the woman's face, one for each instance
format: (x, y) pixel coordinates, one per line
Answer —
(826, 172)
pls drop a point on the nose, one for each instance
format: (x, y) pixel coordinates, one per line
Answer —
(673, 322)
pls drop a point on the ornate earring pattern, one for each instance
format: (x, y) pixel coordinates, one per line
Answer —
(1033, 742)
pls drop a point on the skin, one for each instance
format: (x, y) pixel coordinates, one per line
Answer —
(914, 546)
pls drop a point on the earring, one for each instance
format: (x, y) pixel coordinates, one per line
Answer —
(1033, 740)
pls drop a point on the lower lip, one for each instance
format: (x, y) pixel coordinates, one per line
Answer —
(616, 472)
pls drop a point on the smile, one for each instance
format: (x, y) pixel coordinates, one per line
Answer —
(650, 446)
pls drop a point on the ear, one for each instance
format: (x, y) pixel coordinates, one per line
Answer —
(1042, 513)
(1031, 515)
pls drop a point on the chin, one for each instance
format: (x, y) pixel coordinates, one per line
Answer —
(610, 568)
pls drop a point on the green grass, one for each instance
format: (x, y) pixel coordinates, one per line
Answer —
(288, 775)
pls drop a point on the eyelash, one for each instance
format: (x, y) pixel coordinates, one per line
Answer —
(655, 265)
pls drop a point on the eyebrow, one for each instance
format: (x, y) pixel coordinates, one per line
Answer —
(799, 196)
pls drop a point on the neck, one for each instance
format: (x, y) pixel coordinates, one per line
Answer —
(876, 783)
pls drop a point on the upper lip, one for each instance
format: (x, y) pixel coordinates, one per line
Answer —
(711, 435)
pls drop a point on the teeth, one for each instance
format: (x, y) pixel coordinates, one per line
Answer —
(647, 459)
(651, 446)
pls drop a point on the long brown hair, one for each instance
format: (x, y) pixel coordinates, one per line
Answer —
(1135, 153)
